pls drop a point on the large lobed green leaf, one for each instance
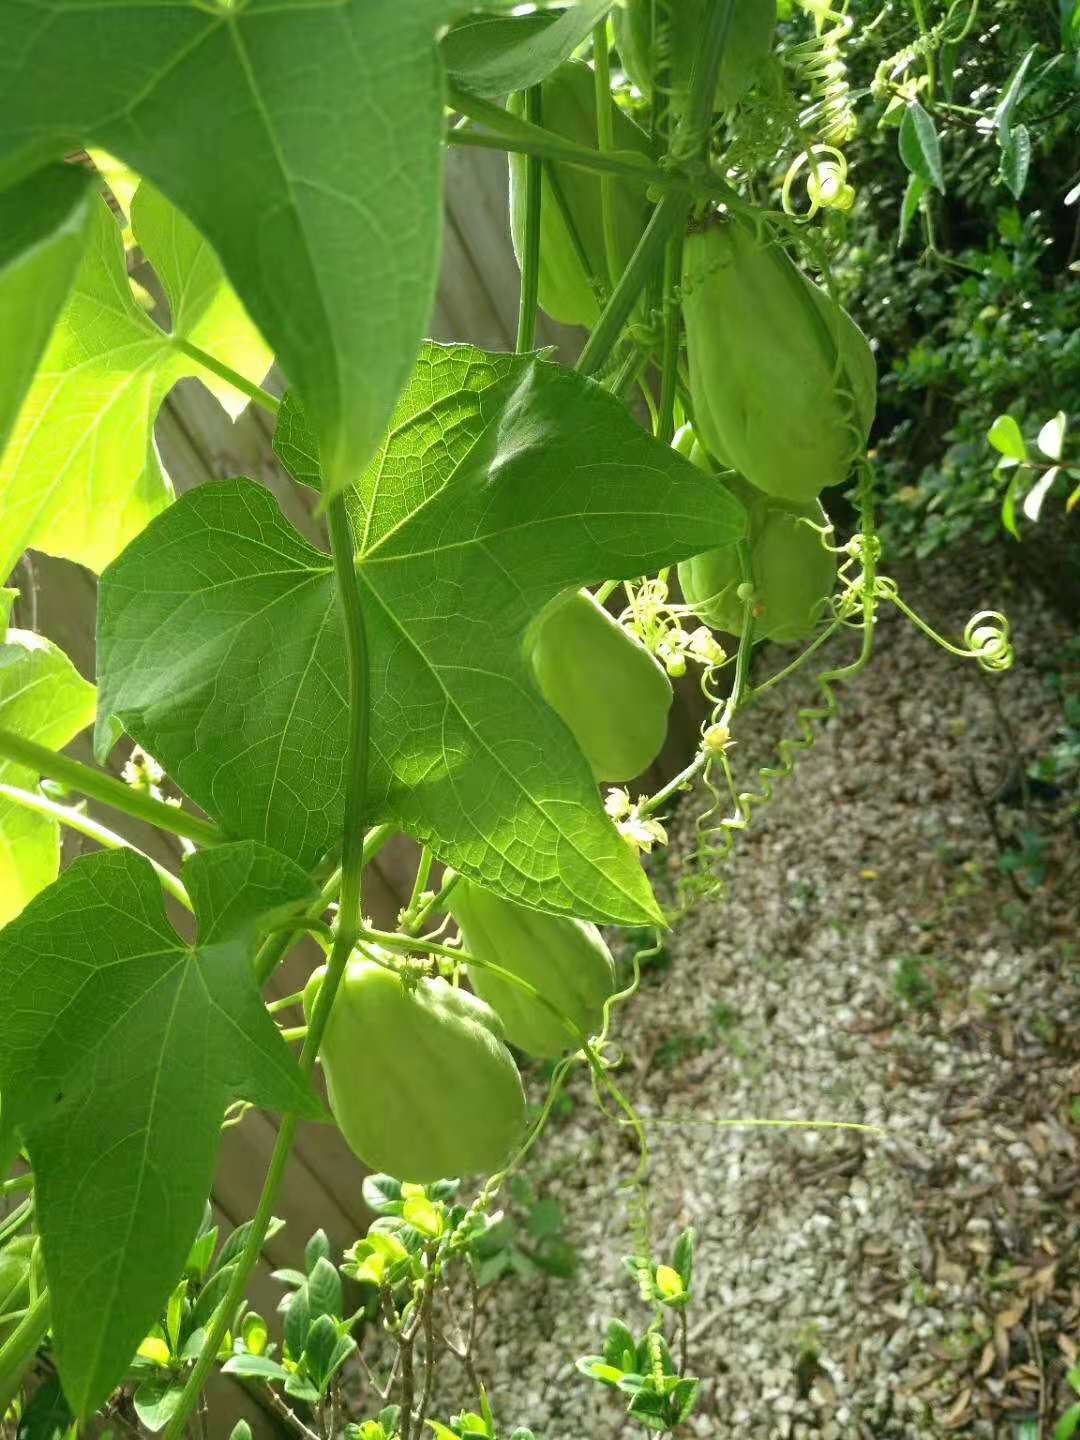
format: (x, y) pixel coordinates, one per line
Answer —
(81, 474)
(119, 1050)
(302, 137)
(43, 224)
(503, 481)
(45, 699)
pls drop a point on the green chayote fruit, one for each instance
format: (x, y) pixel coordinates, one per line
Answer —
(420, 1082)
(782, 381)
(568, 108)
(603, 683)
(564, 959)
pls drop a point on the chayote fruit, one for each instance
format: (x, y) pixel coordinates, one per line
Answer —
(782, 381)
(566, 961)
(603, 683)
(568, 107)
(419, 1079)
(793, 572)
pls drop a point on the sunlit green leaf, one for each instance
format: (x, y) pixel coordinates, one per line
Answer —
(302, 139)
(156, 1400)
(45, 699)
(121, 1047)
(205, 309)
(259, 1367)
(1006, 437)
(81, 474)
(43, 226)
(1052, 436)
(1033, 500)
(503, 481)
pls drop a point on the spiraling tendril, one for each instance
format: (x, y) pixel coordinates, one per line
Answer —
(827, 186)
(986, 635)
(820, 62)
(855, 606)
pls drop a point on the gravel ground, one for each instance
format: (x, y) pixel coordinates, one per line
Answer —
(868, 963)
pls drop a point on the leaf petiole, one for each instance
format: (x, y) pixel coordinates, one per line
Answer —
(96, 785)
(94, 830)
(530, 259)
(270, 403)
(668, 217)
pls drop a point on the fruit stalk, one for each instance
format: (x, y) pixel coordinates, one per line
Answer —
(530, 254)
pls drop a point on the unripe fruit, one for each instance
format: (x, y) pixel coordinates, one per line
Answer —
(793, 573)
(565, 960)
(782, 380)
(746, 48)
(420, 1082)
(568, 109)
(603, 683)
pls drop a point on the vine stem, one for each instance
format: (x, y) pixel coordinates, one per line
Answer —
(534, 140)
(270, 403)
(348, 927)
(530, 257)
(654, 802)
(668, 216)
(605, 138)
(96, 785)
(437, 902)
(526, 138)
(746, 638)
(94, 830)
(275, 947)
(671, 214)
(692, 133)
(669, 365)
(920, 20)
(19, 1348)
(18, 1217)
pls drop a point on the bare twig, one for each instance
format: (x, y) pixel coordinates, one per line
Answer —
(290, 1417)
(429, 1355)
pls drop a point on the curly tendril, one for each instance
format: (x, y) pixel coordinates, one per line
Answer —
(945, 32)
(862, 590)
(820, 63)
(827, 186)
(986, 636)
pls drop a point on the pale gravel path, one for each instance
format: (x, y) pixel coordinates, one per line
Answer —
(848, 1285)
